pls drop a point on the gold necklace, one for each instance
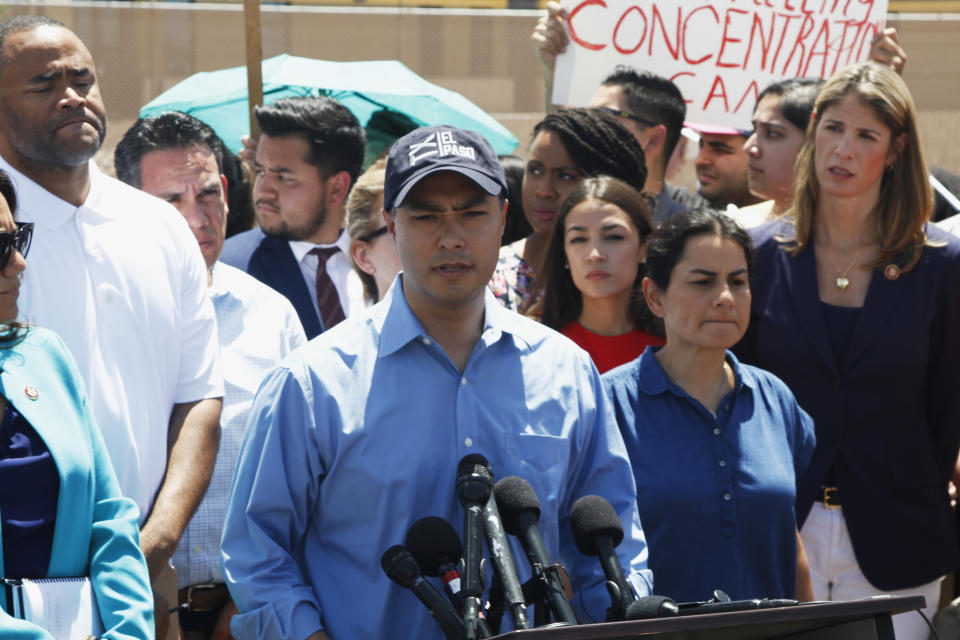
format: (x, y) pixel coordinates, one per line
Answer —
(842, 281)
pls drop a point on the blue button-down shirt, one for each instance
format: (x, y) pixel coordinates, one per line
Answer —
(358, 435)
(716, 492)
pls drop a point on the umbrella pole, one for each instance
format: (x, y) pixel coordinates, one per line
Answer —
(251, 20)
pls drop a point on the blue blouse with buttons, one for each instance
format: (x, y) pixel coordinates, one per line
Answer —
(716, 492)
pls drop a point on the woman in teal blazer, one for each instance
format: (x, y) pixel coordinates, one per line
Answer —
(95, 532)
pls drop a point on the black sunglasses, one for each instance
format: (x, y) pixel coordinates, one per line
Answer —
(628, 116)
(19, 240)
(373, 235)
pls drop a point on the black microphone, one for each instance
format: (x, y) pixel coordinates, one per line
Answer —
(401, 567)
(503, 562)
(474, 485)
(652, 607)
(437, 548)
(597, 531)
(520, 509)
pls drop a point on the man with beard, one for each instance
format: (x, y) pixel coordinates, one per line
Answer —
(117, 274)
(309, 155)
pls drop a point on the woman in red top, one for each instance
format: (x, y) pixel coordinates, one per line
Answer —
(594, 269)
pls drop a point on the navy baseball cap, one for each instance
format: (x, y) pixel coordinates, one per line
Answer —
(427, 150)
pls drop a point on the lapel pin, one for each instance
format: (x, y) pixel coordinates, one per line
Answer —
(31, 392)
(891, 271)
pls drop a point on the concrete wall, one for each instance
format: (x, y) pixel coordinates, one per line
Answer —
(142, 49)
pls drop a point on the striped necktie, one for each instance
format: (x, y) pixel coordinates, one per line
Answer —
(327, 299)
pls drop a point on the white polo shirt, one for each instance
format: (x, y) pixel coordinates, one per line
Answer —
(122, 280)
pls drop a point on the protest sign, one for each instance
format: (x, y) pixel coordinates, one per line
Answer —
(721, 53)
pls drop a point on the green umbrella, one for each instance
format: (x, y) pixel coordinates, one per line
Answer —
(386, 96)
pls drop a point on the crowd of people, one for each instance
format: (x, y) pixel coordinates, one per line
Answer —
(759, 377)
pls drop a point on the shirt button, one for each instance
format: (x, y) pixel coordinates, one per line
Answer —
(426, 341)
(463, 382)
(722, 462)
(717, 431)
(197, 549)
(727, 496)
(468, 442)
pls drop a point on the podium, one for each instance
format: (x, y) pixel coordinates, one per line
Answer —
(867, 619)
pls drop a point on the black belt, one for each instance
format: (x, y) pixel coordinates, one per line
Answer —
(829, 497)
(204, 597)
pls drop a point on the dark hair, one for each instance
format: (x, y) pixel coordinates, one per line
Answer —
(652, 97)
(8, 191)
(11, 333)
(797, 97)
(562, 302)
(517, 225)
(336, 139)
(670, 240)
(598, 144)
(19, 24)
(239, 194)
(169, 130)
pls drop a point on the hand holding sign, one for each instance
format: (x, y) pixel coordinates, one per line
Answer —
(550, 37)
(886, 50)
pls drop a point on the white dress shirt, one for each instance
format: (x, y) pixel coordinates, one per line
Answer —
(339, 268)
(257, 328)
(122, 280)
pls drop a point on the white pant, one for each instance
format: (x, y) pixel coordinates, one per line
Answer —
(835, 574)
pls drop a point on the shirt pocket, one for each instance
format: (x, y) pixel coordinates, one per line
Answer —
(540, 459)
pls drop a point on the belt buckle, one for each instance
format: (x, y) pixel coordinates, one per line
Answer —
(198, 587)
(827, 491)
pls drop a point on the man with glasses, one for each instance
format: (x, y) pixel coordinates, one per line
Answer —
(652, 108)
(179, 159)
(308, 156)
(115, 272)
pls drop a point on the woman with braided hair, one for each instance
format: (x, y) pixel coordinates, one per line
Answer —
(568, 146)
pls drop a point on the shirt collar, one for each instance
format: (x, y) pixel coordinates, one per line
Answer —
(301, 248)
(399, 326)
(32, 199)
(653, 380)
(218, 285)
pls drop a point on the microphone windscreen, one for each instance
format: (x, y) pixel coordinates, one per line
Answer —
(433, 541)
(471, 461)
(592, 517)
(514, 496)
(652, 607)
(399, 565)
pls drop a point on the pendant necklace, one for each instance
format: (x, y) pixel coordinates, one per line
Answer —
(842, 281)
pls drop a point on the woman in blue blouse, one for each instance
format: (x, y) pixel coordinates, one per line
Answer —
(61, 512)
(715, 445)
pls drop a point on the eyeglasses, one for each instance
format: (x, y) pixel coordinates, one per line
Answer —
(373, 235)
(628, 116)
(19, 240)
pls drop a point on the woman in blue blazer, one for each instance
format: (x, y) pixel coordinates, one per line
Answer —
(856, 306)
(63, 514)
